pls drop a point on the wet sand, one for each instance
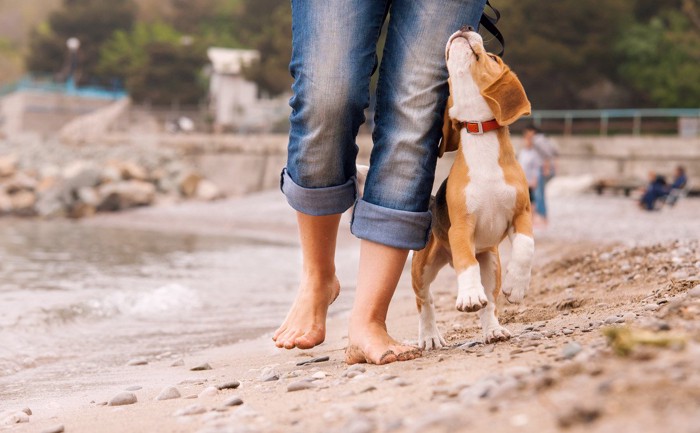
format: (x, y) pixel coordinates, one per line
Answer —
(601, 263)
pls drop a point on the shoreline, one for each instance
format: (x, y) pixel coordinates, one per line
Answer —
(551, 375)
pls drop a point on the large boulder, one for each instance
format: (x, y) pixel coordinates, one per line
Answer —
(125, 194)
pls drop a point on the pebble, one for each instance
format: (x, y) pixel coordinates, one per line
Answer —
(27, 411)
(16, 418)
(357, 367)
(194, 409)
(209, 391)
(178, 363)
(269, 374)
(567, 331)
(233, 401)
(359, 424)
(571, 349)
(628, 317)
(55, 429)
(133, 388)
(314, 360)
(577, 414)
(123, 398)
(694, 292)
(614, 319)
(137, 361)
(190, 397)
(168, 393)
(352, 374)
(201, 367)
(651, 307)
(319, 375)
(229, 385)
(300, 385)
(365, 406)
(532, 336)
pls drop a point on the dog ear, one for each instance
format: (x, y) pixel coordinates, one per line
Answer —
(502, 90)
(450, 135)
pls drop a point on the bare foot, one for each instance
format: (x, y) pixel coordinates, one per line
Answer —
(305, 325)
(372, 344)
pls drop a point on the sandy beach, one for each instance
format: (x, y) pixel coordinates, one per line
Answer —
(600, 264)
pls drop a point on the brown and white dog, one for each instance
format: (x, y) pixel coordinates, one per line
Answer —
(485, 197)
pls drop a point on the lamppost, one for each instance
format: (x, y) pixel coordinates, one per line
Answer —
(73, 45)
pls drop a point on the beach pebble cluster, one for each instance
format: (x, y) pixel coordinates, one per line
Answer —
(82, 188)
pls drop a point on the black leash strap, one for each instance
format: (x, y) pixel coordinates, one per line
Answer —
(489, 23)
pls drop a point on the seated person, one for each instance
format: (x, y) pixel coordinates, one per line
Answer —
(680, 181)
(656, 190)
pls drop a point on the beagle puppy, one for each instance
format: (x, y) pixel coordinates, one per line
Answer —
(485, 197)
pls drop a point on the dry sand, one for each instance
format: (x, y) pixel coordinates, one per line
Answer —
(600, 264)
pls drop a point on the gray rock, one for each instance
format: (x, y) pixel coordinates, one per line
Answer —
(201, 367)
(571, 349)
(16, 418)
(614, 319)
(209, 391)
(229, 385)
(123, 398)
(234, 400)
(269, 374)
(194, 409)
(54, 429)
(168, 393)
(360, 424)
(133, 388)
(300, 385)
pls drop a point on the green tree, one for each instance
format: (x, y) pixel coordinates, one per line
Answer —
(156, 62)
(91, 21)
(661, 60)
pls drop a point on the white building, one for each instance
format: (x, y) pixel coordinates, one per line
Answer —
(234, 101)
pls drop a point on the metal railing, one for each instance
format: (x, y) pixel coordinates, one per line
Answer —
(625, 120)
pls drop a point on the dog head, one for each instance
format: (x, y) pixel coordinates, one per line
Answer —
(482, 87)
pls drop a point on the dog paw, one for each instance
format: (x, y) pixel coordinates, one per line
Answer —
(430, 339)
(495, 334)
(514, 288)
(471, 302)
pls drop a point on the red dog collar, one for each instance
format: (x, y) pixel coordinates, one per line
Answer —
(478, 128)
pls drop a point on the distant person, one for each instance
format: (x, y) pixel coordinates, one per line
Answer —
(531, 162)
(656, 190)
(548, 154)
(680, 181)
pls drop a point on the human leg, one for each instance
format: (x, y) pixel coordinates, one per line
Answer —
(332, 60)
(393, 217)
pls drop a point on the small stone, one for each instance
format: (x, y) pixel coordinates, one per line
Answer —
(577, 414)
(234, 400)
(55, 429)
(651, 307)
(319, 375)
(16, 418)
(352, 374)
(614, 319)
(628, 317)
(365, 406)
(194, 409)
(567, 331)
(359, 424)
(168, 393)
(571, 349)
(178, 363)
(369, 389)
(209, 391)
(27, 411)
(300, 385)
(354, 370)
(314, 360)
(132, 388)
(201, 367)
(269, 374)
(190, 397)
(694, 292)
(229, 385)
(532, 336)
(123, 398)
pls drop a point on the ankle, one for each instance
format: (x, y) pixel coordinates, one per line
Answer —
(321, 274)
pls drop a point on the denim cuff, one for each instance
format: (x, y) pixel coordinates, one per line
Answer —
(391, 227)
(318, 201)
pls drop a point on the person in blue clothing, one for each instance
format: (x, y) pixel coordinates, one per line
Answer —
(680, 182)
(656, 190)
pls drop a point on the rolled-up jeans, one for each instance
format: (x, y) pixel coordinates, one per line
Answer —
(333, 57)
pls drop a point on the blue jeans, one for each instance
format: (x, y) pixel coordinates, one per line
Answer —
(333, 57)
